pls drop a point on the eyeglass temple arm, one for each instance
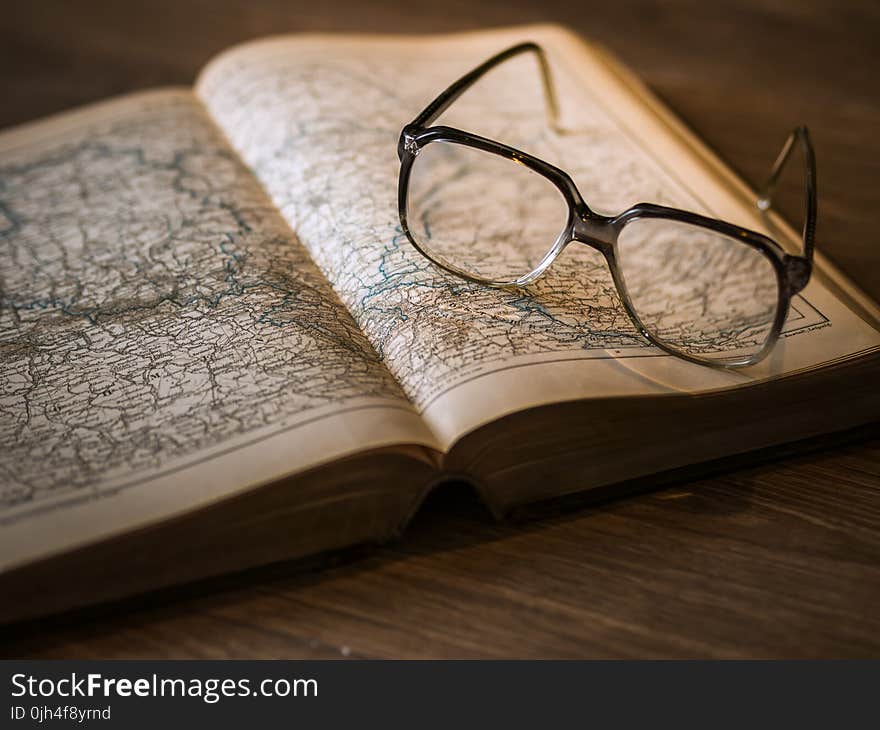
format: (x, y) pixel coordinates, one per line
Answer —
(798, 135)
(442, 102)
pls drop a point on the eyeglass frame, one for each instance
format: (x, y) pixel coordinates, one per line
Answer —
(601, 232)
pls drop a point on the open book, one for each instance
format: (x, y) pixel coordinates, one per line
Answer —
(219, 350)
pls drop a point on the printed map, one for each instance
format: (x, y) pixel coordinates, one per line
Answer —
(153, 305)
(320, 131)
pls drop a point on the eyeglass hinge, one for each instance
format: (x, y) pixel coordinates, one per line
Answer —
(798, 270)
(410, 145)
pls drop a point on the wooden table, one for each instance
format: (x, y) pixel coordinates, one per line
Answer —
(780, 559)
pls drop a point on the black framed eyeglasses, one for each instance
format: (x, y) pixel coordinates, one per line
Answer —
(699, 288)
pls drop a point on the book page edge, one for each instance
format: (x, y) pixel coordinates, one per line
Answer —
(66, 119)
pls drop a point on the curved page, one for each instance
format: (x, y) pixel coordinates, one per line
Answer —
(318, 118)
(165, 341)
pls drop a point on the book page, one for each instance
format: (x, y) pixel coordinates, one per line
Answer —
(318, 120)
(165, 341)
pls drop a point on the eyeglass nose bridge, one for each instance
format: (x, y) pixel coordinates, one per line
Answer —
(595, 231)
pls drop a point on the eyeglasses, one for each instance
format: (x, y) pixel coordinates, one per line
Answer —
(702, 289)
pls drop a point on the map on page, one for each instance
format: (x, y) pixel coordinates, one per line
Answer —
(153, 305)
(320, 131)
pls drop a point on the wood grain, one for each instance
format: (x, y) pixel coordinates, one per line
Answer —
(781, 559)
